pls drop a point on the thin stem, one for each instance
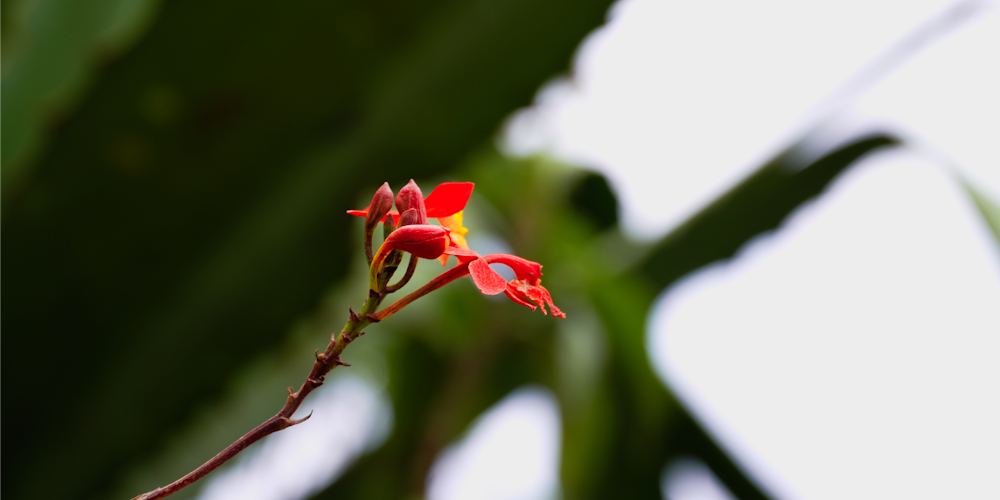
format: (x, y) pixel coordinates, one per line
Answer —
(410, 268)
(325, 362)
(369, 233)
(438, 282)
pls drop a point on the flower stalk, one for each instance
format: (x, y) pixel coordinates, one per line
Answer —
(406, 230)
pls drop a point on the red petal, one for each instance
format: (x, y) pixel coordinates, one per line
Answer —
(539, 294)
(462, 254)
(448, 198)
(518, 297)
(488, 281)
(525, 269)
(364, 213)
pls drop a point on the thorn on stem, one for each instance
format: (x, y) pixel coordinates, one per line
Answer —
(320, 357)
(316, 382)
(291, 391)
(340, 362)
(289, 422)
(354, 315)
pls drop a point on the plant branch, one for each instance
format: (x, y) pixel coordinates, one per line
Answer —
(438, 282)
(324, 363)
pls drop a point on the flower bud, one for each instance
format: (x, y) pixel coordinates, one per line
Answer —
(411, 197)
(422, 240)
(410, 217)
(388, 227)
(380, 205)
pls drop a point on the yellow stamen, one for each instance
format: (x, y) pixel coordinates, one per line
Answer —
(458, 232)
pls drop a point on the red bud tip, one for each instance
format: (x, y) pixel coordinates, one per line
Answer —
(411, 197)
(409, 218)
(380, 205)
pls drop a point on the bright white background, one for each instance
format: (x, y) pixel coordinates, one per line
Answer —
(853, 354)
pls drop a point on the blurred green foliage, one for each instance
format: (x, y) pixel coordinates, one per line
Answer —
(191, 206)
(175, 179)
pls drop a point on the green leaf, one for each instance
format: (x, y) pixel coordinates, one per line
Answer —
(51, 57)
(988, 208)
(758, 204)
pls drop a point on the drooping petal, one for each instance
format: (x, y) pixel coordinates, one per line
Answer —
(518, 296)
(525, 269)
(540, 295)
(486, 279)
(462, 254)
(448, 198)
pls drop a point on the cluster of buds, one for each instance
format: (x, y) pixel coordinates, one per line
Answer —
(407, 230)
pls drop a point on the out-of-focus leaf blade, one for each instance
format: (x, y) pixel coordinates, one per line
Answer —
(56, 48)
(756, 205)
(988, 208)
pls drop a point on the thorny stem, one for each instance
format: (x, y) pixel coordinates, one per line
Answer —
(325, 362)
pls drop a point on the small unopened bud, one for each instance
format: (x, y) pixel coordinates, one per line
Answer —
(380, 205)
(411, 197)
(410, 217)
(388, 227)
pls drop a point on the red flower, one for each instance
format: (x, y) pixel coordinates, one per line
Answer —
(526, 289)
(414, 235)
(446, 200)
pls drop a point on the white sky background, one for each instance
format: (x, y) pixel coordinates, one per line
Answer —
(689, 479)
(677, 101)
(510, 452)
(853, 353)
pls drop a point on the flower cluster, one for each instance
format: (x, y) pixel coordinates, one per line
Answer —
(407, 231)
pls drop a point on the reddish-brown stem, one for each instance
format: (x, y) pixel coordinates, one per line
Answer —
(282, 420)
(325, 362)
(438, 282)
